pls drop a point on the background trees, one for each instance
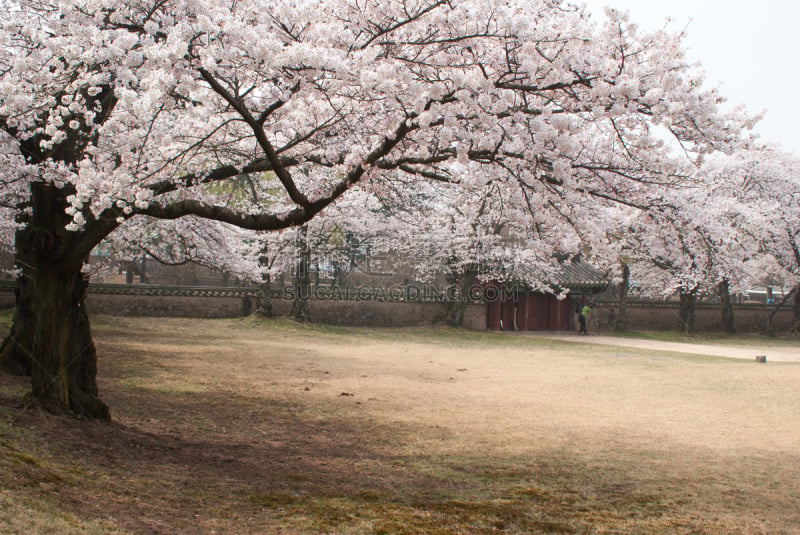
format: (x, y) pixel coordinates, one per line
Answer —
(761, 188)
(728, 230)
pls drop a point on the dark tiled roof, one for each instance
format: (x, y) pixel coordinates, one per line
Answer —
(575, 275)
(580, 275)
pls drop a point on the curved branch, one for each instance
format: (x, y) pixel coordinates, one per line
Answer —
(264, 222)
(220, 173)
(163, 262)
(258, 130)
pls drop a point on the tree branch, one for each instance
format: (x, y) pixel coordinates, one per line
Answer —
(258, 130)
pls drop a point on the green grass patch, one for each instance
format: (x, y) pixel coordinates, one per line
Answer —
(440, 335)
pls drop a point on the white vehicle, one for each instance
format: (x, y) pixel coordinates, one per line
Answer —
(768, 296)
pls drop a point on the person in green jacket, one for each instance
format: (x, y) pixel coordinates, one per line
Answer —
(585, 316)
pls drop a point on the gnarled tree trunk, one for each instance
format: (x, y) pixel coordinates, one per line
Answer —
(51, 338)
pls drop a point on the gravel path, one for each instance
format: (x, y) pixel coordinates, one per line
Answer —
(749, 352)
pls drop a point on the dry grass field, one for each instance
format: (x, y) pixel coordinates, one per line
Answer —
(256, 426)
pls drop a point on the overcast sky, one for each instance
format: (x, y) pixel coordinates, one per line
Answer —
(751, 49)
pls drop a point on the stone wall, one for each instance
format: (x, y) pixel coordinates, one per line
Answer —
(159, 301)
(382, 313)
(180, 306)
(664, 316)
(126, 300)
(368, 313)
(475, 317)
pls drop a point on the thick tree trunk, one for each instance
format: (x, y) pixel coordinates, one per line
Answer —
(726, 307)
(457, 305)
(64, 360)
(621, 320)
(796, 311)
(687, 311)
(51, 338)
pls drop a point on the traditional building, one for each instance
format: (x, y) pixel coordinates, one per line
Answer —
(515, 307)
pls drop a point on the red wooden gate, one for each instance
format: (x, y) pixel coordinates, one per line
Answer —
(526, 311)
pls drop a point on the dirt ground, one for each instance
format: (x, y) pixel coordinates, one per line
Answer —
(252, 426)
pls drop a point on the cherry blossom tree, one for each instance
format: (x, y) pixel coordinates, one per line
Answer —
(761, 188)
(671, 255)
(486, 233)
(724, 233)
(112, 111)
(698, 244)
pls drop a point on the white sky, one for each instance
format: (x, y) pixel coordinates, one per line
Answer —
(750, 49)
